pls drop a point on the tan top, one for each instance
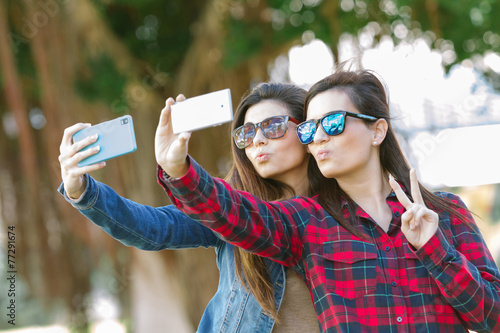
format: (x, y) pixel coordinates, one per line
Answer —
(296, 314)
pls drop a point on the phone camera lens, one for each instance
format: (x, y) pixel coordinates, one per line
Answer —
(124, 121)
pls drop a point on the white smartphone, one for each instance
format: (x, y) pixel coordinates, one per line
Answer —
(116, 138)
(202, 111)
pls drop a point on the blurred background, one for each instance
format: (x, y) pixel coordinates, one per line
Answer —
(63, 62)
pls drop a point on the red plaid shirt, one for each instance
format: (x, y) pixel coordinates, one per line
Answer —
(451, 284)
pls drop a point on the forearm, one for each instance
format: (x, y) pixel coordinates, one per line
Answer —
(468, 280)
(266, 229)
(137, 225)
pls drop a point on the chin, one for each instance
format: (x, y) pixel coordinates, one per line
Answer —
(264, 173)
(327, 171)
(267, 175)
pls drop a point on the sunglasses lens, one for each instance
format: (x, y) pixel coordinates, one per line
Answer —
(333, 124)
(306, 131)
(274, 128)
(243, 136)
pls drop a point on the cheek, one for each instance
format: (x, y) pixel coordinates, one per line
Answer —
(355, 150)
(248, 153)
(291, 151)
(294, 147)
(358, 137)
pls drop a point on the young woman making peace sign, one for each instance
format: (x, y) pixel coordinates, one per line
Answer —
(378, 255)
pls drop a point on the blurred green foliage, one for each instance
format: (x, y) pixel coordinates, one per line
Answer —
(465, 27)
(159, 33)
(100, 81)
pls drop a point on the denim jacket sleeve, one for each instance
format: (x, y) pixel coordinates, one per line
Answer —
(141, 226)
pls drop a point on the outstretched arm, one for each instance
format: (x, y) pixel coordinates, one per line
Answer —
(268, 229)
(131, 223)
(141, 226)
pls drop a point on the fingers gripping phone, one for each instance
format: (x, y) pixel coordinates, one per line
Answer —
(116, 138)
(202, 111)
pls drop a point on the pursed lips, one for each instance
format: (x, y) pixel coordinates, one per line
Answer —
(322, 154)
(261, 156)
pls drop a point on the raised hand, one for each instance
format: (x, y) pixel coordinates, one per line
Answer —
(170, 149)
(70, 156)
(418, 223)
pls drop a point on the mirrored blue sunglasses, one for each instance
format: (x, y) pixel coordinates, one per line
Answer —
(333, 123)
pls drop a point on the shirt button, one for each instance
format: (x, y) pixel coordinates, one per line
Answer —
(394, 284)
(399, 319)
(387, 248)
(397, 214)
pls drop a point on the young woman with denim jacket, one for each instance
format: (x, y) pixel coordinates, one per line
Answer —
(273, 165)
(378, 255)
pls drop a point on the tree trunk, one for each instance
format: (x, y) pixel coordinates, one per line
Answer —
(330, 11)
(27, 178)
(433, 13)
(66, 249)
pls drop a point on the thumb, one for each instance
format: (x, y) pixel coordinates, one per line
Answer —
(184, 139)
(179, 149)
(175, 162)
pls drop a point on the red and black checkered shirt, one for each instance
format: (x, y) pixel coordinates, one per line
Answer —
(381, 284)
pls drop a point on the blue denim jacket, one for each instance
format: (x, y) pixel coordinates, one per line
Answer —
(232, 308)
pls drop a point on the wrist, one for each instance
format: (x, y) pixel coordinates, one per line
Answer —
(77, 194)
(176, 170)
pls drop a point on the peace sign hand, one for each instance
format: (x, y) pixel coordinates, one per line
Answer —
(418, 223)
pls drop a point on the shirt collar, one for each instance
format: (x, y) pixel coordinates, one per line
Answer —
(390, 197)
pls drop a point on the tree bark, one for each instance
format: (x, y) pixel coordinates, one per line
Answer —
(330, 11)
(433, 13)
(69, 247)
(28, 177)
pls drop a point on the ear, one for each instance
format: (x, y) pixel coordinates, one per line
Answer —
(379, 129)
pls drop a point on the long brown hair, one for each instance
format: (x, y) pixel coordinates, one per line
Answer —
(366, 92)
(251, 269)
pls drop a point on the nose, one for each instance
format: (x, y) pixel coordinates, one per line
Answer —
(320, 136)
(259, 138)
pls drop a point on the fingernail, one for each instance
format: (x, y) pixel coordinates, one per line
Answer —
(95, 136)
(97, 148)
(185, 136)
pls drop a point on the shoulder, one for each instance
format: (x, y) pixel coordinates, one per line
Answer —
(306, 201)
(301, 204)
(455, 201)
(448, 196)
(461, 218)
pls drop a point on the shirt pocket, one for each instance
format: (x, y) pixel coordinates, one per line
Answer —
(419, 279)
(350, 268)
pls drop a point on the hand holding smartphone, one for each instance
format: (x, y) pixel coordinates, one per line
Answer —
(202, 111)
(115, 138)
